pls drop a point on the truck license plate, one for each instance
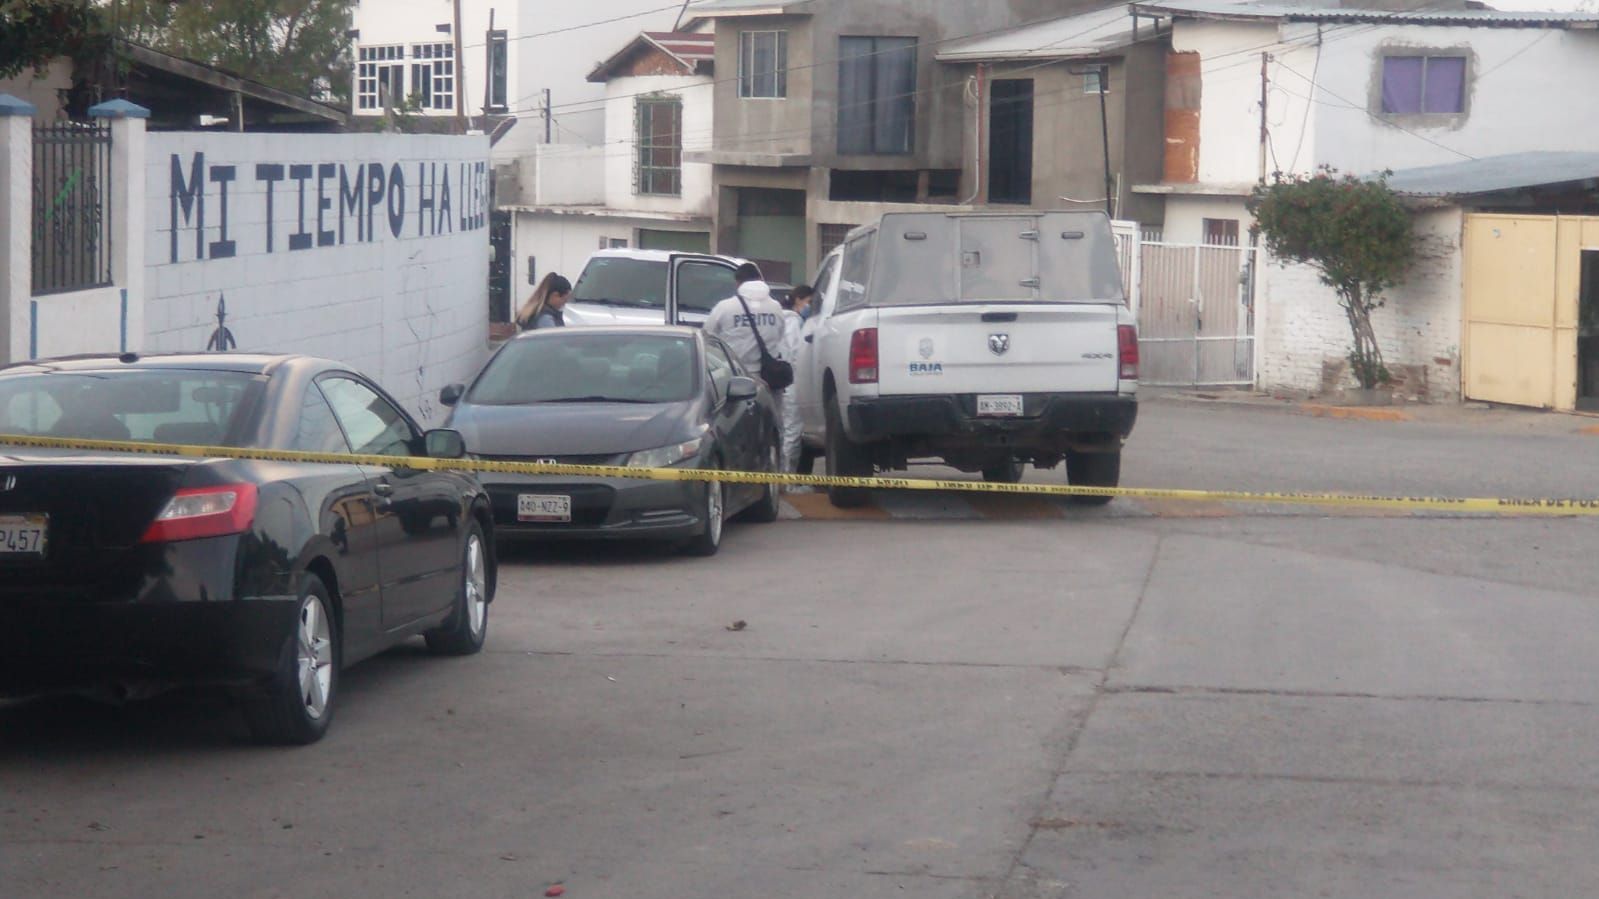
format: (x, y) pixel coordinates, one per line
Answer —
(539, 507)
(23, 536)
(999, 404)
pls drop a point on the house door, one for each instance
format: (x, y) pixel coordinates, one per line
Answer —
(1510, 303)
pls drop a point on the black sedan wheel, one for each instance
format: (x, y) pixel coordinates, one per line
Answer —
(297, 705)
(468, 626)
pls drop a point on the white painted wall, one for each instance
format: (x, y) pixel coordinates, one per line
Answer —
(568, 175)
(561, 243)
(1301, 327)
(406, 302)
(1185, 217)
(621, 142)
(1522, 84)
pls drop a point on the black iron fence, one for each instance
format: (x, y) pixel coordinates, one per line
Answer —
(71, 207)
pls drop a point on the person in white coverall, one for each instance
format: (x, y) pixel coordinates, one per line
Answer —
(794, 306)
(736, 327)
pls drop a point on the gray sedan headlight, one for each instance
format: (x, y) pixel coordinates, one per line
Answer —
(666, 456)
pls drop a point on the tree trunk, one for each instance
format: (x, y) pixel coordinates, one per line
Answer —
(1366, 356)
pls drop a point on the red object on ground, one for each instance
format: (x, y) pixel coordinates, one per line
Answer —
(556, 890)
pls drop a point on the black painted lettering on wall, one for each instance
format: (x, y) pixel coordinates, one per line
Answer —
(190, 195)
(427, 219)
(301, 239)
(376, 184)
(444, 202)
(324, 203)
(351, 190)
(222, 175)
(270, 174)
(396, 200)
(363, 191)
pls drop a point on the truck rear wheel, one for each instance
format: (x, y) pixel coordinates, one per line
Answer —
(844, 459)
(1093, 470)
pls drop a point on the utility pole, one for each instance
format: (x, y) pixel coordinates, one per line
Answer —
(1104, 137)
(549, 118)
(460, 74)
(1265, 135)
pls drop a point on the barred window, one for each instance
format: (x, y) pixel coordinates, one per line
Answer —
(433, 75)
(380, 76)
(659, 168)
(763, 64)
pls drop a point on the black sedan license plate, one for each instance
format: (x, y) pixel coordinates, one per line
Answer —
(23, 536)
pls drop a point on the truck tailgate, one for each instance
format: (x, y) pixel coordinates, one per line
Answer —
(997, 348)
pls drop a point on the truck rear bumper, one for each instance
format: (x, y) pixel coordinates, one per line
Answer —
(1045, 418)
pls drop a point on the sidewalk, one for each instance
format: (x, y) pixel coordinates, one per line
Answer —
(1487, 416)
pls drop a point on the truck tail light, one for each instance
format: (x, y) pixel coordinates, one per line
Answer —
(1127, 351)
(863, 356)
(196, 512)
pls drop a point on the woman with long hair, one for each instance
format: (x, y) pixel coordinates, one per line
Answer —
(543, 307)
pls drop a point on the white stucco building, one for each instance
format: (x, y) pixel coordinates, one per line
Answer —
(1258, 88)
(634, 189)
(510, 53)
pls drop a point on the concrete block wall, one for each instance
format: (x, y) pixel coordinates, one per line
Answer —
(1305, 336)
(375, 252)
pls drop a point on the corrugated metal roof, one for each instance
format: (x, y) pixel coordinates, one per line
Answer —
(1084, 35)
(691, 47)
(1495, 173)
(1316, 12)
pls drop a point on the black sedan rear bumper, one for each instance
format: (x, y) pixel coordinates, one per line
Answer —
(52, 647)
(1044, 416)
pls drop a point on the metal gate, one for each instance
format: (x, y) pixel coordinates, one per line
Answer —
(1195, 309)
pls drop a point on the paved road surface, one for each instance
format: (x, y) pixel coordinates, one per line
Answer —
(1111, 703)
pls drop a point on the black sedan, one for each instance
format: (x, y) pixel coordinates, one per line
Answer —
(648, 396)
(131, 572)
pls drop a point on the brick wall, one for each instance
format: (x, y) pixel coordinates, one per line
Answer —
(375, 252)
(1305, 336)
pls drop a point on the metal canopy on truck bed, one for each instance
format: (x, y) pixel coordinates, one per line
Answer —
(924, 258)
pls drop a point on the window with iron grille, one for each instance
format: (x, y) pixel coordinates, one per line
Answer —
(659, 168)
(433, 75)
(829, 236)
(763, 64)
(71, 207)
(380, 77)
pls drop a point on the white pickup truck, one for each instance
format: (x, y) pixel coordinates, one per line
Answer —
(986, 341)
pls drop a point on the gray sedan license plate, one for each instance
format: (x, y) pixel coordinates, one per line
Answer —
(543, 507)
(23, 536)
(999, 404)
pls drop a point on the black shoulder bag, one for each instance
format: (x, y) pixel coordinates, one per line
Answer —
(777, 374)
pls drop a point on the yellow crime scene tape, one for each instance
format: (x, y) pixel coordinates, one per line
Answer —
(1498, 506)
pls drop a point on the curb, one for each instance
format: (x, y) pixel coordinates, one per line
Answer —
(1353, 413)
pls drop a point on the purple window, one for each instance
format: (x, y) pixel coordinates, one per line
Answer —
(1423, 84)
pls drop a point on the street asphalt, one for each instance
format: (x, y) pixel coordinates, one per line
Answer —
(936, 697)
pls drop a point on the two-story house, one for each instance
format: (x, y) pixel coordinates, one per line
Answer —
(634, 188)
(829, 113)
(517, 60)
(1068, 113)
(1259, 88)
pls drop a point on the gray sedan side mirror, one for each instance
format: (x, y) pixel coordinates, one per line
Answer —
(451, 395)
(741, 388)
(443, 443)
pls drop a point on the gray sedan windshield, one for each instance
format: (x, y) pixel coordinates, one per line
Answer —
(567, 366)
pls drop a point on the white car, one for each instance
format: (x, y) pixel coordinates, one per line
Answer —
(630, 287)
(983, 341)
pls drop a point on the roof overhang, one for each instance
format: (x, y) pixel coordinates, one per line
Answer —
(1195, 189)
(1497, 174)
(265, 99)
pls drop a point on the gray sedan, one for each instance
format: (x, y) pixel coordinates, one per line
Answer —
(646, 396)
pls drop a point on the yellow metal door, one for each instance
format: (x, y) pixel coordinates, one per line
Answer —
(1511, 265)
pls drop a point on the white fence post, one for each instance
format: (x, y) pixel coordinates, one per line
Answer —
(16, 226)
(127, 214)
